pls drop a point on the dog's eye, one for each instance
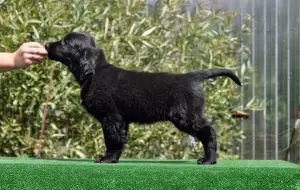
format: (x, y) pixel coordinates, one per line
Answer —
(66, 42)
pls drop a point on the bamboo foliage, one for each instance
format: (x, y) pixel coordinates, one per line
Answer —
(132, 38)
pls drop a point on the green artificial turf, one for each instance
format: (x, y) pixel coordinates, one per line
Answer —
(30, 173)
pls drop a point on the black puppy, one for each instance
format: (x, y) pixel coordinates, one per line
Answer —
(117, 97)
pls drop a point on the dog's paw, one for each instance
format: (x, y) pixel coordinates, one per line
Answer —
(206, 161)
(105, 159)
(98, 159)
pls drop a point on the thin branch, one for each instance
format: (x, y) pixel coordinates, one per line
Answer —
(42, 131)
(292, 141)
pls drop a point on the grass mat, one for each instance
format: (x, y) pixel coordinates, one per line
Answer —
(31, 173)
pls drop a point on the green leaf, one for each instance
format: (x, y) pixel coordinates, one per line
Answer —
(147, 32)
(80, 154)
(106, 26)
(147, 44)
(243, 69)
(131, 45)
(131, 29)
(31, 21)
(35, 32)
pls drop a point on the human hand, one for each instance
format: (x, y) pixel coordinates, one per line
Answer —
(28, 54)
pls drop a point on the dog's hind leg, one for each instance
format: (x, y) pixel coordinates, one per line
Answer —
(207, 135)
(202, 130)
(115, 133)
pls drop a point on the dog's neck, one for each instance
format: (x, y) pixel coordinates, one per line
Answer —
(85, 68)
(83, 80)
(85, 84)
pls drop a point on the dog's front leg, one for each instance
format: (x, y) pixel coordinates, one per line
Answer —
(115, 133)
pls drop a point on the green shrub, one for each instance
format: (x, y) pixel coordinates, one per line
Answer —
(166, 40)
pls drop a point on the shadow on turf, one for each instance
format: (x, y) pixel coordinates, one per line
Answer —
(123, 161)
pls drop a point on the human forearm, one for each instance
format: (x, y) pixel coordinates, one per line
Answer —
(6, 61)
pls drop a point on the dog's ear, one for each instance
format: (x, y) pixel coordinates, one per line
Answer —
(90, 57)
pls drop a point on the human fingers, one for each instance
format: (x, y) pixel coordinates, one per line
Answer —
(33, 45)
(32, 61)
(32, 50)
(33, 56)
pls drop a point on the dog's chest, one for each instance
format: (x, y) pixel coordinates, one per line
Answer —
(93, 106)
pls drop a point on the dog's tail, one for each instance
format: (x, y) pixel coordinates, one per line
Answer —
(212, 73)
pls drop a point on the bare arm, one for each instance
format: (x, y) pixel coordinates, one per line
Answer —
(27, 54)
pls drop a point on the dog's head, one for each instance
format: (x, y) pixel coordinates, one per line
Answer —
(78, 51)
(69, 46)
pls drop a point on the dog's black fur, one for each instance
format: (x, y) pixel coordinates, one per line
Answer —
(117, 97)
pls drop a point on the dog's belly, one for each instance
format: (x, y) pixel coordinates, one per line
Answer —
(143, 118)
(144, 114)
